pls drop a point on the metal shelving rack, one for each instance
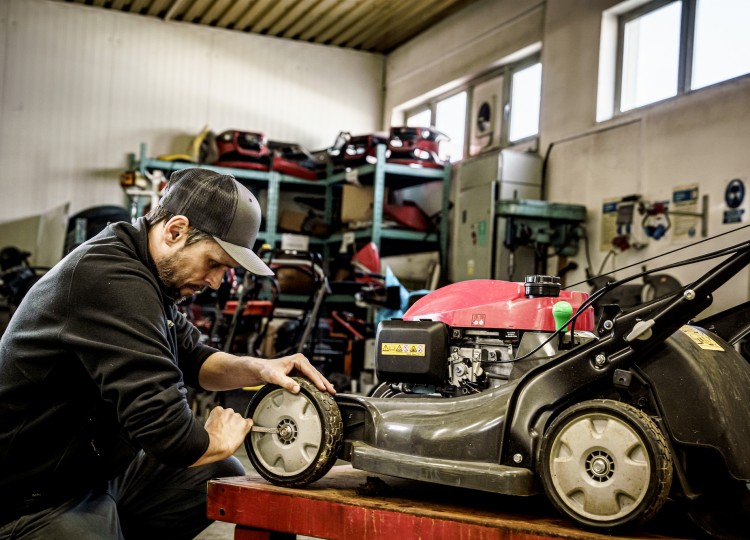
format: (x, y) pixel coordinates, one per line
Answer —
(381, 174)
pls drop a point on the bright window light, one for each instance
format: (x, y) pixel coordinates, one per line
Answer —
(450, 118)
(650, 59)
(721, 48)
(525, 98)
(420, 119)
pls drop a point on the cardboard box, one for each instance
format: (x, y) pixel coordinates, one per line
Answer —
(291, 221)
(303, 222)
(356, 203)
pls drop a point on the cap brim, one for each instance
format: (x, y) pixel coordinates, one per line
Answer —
(246, 258)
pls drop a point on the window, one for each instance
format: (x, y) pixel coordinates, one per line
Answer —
(669, 47)
(504, 107)
(450, 118)
(526, 94)
(422, 118)
(650, 56)
(721, 44)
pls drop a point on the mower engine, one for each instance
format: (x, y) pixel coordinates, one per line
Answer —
(471, 336)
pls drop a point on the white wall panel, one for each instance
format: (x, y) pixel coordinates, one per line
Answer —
(4, 9)
(81, 88)
(52, 94)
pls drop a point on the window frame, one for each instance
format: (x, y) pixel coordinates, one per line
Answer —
(686, 45)
(506, 71)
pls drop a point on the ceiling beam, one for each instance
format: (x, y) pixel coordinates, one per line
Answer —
(172, 11)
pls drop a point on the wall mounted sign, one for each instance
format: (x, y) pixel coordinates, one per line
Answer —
(734, 196)
(685, 202)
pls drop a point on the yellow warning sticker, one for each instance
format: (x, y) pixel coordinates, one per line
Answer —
(402, 349)
(702, 340)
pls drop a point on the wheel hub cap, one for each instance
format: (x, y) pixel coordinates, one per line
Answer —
(287, 431)
(299, 435)
(600, 466)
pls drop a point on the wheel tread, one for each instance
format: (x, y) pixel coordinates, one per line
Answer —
(332, 427)
(661, 479)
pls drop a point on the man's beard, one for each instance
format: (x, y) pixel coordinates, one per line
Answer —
(169, 270)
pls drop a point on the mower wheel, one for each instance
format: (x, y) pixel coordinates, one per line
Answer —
(309, 437)
(606, 465)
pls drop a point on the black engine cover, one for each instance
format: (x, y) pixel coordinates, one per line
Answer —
(412, 352)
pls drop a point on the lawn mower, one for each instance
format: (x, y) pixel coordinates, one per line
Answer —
(293, 159)
(416, 147)
(514, 388)
(243, 150)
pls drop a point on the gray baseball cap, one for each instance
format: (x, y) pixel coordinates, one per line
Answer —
(219, 205)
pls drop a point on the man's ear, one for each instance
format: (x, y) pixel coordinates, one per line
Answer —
(175, 230)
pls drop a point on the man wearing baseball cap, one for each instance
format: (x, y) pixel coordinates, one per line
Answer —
(96, 435)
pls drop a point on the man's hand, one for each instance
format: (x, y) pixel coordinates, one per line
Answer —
(227, 431)
(277, 371)
(224, 371)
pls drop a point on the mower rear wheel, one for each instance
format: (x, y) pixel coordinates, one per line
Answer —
(606, 464)
(309, 437)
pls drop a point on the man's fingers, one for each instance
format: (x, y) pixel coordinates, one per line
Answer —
(219, 417)
(290, 384)
(278, 372)
(303, 365)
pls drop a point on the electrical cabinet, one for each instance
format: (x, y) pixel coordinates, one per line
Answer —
(477, 245)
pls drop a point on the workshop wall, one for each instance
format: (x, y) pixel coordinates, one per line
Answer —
(696, 139)
(478, 38)
(80, 88)
(699, 138)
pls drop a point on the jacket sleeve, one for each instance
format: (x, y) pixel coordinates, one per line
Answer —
(125, 339)
(191, 352)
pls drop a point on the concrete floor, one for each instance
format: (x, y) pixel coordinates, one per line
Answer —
(218, 531)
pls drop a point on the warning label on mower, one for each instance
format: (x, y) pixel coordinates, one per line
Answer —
(402, 349)
(702, 340)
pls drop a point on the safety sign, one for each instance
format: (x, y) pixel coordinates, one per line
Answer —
(734, 196)
(402, 349)
(702, 340)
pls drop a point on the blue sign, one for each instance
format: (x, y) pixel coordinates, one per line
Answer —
(735, 193)
(609, 207)
(685, 195)
(733, 216)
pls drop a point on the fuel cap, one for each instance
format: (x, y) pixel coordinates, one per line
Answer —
(539, 285)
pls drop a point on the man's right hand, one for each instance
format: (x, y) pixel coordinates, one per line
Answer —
(227, 431)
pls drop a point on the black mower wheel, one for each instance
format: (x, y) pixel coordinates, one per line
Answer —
(309, 439)
(606, 465)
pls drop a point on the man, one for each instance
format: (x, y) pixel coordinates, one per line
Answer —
(96, 436)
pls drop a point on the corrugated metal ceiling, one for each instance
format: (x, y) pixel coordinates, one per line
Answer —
(377, 26)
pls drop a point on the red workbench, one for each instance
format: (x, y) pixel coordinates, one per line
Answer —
(344, 505)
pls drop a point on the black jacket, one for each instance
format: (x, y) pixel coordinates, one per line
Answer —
(92, 368)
